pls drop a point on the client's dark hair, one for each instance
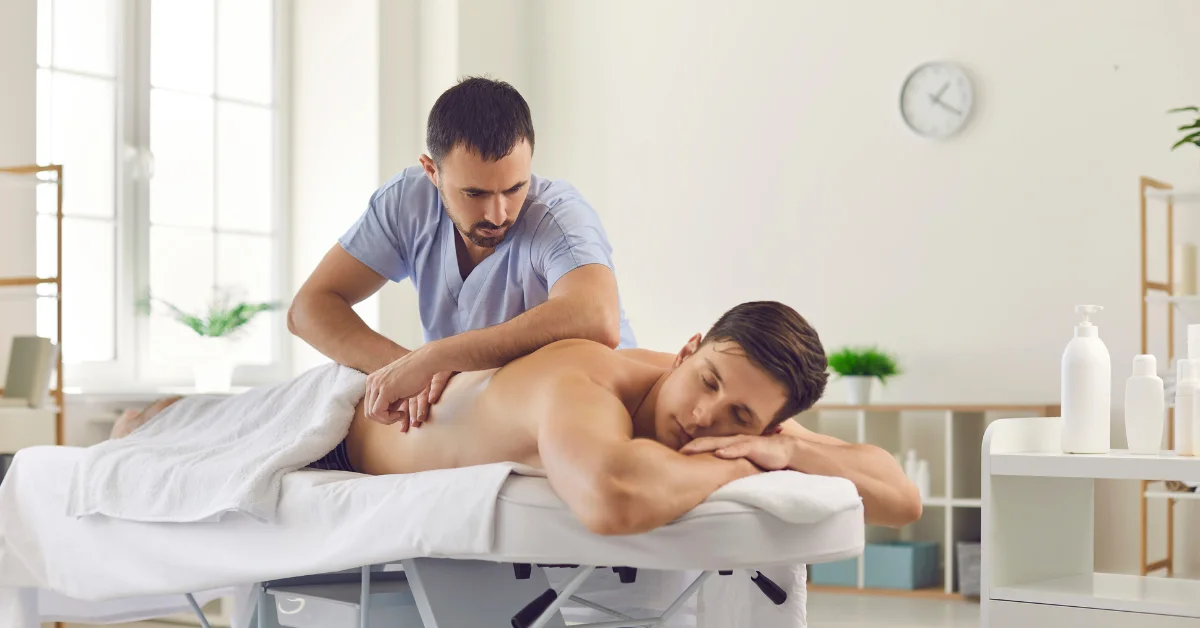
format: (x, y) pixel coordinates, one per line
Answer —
(778, 340)
(487, 116)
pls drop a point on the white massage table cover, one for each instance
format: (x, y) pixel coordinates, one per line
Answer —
(330, 521)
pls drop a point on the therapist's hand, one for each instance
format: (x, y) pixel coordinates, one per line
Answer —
(769, 453)
(392, 391)
(418, 406)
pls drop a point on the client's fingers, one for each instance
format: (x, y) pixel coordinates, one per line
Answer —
(706, 444)
(737, 450)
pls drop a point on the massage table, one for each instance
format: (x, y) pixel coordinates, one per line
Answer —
(464, 562)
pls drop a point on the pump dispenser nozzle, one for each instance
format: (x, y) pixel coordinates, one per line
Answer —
(1085, 327)
(1087, 310)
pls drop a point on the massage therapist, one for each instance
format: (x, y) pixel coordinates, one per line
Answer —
(504, 262)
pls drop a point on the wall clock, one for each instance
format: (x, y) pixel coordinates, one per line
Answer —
(936, 99)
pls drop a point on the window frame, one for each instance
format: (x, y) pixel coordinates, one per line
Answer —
(130, 370)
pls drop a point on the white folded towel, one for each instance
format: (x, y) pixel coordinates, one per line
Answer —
(792, 496)
(206, 456)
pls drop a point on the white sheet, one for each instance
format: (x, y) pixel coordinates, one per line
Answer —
(330, 521)
(206, 456)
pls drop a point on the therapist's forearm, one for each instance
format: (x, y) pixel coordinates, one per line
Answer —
(492, 347)
(330, 325)
(889, 497)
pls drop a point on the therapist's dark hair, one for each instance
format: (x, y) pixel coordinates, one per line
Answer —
(486, 116)
(778, 340)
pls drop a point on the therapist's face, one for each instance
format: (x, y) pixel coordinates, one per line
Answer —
(714, 390)
(483, 198)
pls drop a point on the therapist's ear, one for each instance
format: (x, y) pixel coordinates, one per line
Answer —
(692, 346)
(430, 169)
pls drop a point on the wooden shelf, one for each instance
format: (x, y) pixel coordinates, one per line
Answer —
(1044, 410)
(26, 281)
(54, 176)
(1179, 197)
(1163, 494)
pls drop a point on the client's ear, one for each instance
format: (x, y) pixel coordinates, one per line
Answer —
(692, 346)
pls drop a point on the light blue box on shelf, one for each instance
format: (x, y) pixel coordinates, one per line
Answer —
(842, 573)
(901, 565)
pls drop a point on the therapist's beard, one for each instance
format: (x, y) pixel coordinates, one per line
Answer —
(473, 234)
(479, 240)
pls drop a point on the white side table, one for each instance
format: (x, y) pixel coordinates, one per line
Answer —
(1038, 535)
(26, 427)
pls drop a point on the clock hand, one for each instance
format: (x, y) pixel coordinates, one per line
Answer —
(945, 106)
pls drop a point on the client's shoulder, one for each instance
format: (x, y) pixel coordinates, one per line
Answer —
(568, 358)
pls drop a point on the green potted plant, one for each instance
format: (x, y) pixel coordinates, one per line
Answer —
(218, 326)
(1191, 132)
(859, 367)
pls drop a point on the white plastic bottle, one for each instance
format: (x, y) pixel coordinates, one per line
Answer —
(1086, 389)
(1186, 386)
(922, 480)
(1144, 407)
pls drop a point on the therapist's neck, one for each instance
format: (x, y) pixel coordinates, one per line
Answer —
(469, 255)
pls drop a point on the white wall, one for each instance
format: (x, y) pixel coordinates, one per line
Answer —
(335, 129)
(18, 146)
(754, 150)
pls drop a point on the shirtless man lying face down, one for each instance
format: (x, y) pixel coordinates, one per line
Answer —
(632, 439)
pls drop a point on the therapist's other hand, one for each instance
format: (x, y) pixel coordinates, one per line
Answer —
(418, 406)
(769, 453)
(392, 390)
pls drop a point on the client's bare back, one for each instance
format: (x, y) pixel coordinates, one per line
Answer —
(482, 417)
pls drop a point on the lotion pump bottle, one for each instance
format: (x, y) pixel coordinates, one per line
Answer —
(1144, 407)
(1086, 389)
(1186, 385)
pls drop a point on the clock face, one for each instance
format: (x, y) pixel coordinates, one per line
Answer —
(936, 99)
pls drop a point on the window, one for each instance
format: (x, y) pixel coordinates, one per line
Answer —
(166, 117)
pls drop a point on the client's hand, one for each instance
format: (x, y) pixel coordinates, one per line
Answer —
(769, 453)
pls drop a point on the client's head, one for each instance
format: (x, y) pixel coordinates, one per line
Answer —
(760, 364)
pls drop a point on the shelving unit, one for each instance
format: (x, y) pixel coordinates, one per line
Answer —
(1038, 563)
(46, 175)
(1189, 306)
(949, 437)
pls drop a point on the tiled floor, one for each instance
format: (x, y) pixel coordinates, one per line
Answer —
(836, 610)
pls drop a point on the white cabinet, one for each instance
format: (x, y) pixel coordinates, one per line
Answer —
(26, 427)
(1038, 564)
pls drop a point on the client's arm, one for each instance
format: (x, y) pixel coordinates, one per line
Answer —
(889, 497)
(616, 484)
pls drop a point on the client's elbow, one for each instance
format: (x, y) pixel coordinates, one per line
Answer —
(615, 510)
(910, 510)
(904, 508)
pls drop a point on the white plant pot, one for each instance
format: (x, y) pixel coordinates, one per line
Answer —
(213, 369)
(858, 389)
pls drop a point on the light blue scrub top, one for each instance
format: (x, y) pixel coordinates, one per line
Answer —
(405, 232)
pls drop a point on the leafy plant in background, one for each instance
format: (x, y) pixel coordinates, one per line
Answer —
(1191, 131)
(863, 361)
(222, 319)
